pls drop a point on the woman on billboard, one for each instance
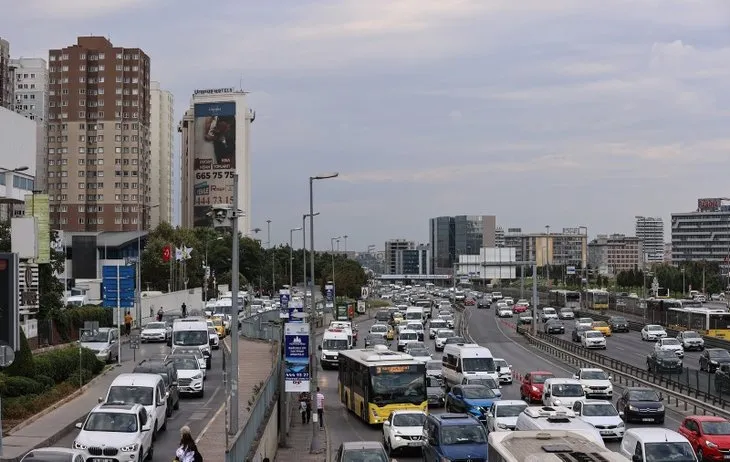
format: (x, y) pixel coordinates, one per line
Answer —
(221, 131)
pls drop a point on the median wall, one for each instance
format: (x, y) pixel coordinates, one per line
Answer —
(268, 442)
(172, 301)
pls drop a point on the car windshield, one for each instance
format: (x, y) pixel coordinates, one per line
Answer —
(415, 419)
(670, 341)
(45, 455)
(548, 310)
(567, 389)
(188, 351)
(690, 334)
(593, 334)
(379, 328)
(600, 324)
(445, 333)
(414, 315)
(643, 395)
(666, 451)
(447, 317)
(185, 364)
(156, 325)
(433, 382)
(335, 344)
(716, 428)
(585, 321)
(500, 363)
(618, 320)
(662, 354)
(408, 336)
(212, 331)
(540, 378)
(190, 337)
(111, 422)
(419, 352)
(477, 364)
(510, 410)
(382, 315)
(478, 392)
(95, 337)
(566, 310)
(364, 455)
(654, 328)
(593, 375)
(599, 410)
(415, 327)
(433, 365)
(463, 434)
(487, 382)
(130, 395)
(398, 387)
(437, 324)
(718, 353)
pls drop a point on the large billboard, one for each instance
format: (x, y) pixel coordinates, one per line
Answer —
(214, 162)
(296, 356)
(36, 205)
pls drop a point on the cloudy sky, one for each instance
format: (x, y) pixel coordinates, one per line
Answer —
(541, 112)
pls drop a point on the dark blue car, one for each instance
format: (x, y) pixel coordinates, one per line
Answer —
(474, 400)
(454, 437)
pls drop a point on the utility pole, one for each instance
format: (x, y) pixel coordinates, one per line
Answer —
(535, 301)
(233, 391)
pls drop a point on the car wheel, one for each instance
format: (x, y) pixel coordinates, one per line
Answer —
(164, 424)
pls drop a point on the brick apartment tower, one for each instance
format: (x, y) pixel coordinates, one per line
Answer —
(98, 137)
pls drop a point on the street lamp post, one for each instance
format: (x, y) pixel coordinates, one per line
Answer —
(334, 284)
(268, 246)
(345, 237)
(684, 291)
(584, 263)
(315, 445)
(304, 252)
(207, 267)
(547, 255)
(291, 256)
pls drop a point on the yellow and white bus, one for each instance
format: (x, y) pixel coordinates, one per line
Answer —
(565, 299)
(596, 299)
(374, 382)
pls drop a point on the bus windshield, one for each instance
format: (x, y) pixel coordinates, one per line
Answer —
(572, 296)
(478, 364)
(398, 387)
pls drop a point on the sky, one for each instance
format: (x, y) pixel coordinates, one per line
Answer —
(541, 112)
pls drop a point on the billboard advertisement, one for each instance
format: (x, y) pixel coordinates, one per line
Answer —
(329, 296)
(295, 310)
(36, 205)
(214, 162)
(296, 356)
(709, 204)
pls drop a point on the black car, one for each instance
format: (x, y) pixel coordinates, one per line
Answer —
(642, 405)
(575, 335)
(554, 326)
(483, 303)
(455, 340)
(618, 324)
(167, 370)
(712, 358)
(664, 361)
(722, 378)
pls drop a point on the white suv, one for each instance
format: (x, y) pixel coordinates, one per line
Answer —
(405, 337)
(118, 432)
(403, 430)
(189, 375)
(670, 344)
(596, 383)
(441, 336)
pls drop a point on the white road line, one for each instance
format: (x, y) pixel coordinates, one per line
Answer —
(210, 422)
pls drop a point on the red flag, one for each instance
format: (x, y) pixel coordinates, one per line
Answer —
(166, 253)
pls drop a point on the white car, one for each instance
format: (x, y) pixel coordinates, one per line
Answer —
(420, 354)
(691, 340)
(504, 370)
(596, 383)
(509, 301)
(670, 344)
(213, 338)
(548, 313)
(190, 376)
(154, 332)
(449, 318)
(121, 430)
(502, 415)
(434, 368)
(503, 311)
(403, 430)
(588, 322)
(441, 337)
(652, 333)
(405, 337)
(603, 415)
(418, 328)
(379, 329)
(434, 325)
(593, 339)
(524, 302)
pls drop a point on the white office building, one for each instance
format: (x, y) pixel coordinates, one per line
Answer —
(18, 136)
(162, 127)
(31, 101)
(703, 235)
(651, 232)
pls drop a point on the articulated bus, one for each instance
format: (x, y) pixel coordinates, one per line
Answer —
(375, 382)
(708, 321)
(565, 299)
(596, 299)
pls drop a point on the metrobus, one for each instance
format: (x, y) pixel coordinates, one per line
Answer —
(596, 299)
(374, 382)
(656, 308)
(547, 446)
(565, 299)
(707, 321)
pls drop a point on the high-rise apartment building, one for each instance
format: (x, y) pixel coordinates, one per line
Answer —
(392, 249)
(651, 232)
(615, 253)
(99, 137)
(161, 154)
(6, 76)
(499, 237)
(459, 235)
(31, 101)
(569, 248)
(214, 147)
(413, 261)
(702, 235)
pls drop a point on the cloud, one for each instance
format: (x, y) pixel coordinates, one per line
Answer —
(82, 9)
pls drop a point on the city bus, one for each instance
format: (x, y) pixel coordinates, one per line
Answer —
(565, 299)
(712, 322)
(375, 382)
(596, 299)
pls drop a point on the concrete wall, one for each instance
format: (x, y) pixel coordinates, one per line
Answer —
(172, 301)
(269, 441)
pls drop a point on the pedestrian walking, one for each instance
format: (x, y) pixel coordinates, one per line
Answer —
(184, 309)
(152, 312)
(320, 409)
(160, 312)
(128, 323)
(187, 451)
(309, 407)
(303, 407)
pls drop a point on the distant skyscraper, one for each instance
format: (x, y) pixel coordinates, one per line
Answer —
(161, 154)
(392, 249)
(499, 237)
(7, 86)
(450, 237)
(651, 232)
(702, 235)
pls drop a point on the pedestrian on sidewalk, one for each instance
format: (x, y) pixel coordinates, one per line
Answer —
(320, 409)
(160, 312)
(184, 309)
(187, 451)
(303, 407)
(128, 323)
(308, 397)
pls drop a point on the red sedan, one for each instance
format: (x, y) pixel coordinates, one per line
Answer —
(708, 435)
(470, 302)
(532, 383)
(519, 308)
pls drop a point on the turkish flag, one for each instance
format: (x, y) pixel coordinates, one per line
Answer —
(166, 253)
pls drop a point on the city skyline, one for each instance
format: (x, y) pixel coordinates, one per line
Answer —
(579, 112)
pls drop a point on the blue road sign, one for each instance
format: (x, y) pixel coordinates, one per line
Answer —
(124, 290)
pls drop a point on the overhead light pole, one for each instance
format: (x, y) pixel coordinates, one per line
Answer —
(332, 244)
(304, 252)
(316, 443)
(345, 237)
(291, 255)
(268, 246)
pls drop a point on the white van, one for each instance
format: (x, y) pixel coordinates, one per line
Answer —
(192, 332)
(334, 340)
(346, 327)
(145, 389)
(415, 313)
(562, 392)
(555, 418)
(642, 444)
(467, 360)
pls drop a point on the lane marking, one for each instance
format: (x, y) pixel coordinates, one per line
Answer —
(210, 422)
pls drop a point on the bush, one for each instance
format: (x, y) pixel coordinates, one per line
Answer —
(60, 365)
(23, 364)
(44, 380)
(22, 407)
(20, 386)
(70, 320)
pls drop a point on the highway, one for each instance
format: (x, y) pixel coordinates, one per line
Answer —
(193, 412)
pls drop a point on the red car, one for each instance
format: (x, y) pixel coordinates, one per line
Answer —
(470, 302)
(532, 383)
(708, 435)
(519, 308)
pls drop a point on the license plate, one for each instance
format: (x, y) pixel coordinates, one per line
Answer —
(606, 432)
(414, 443)
(99, 459)
(647, 419)
(726, 456)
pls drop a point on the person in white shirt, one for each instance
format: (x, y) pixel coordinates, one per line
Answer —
(187, 450)
(320, 409)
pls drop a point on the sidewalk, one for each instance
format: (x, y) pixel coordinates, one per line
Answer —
(255, 361)
(299, 439)
(54, 424)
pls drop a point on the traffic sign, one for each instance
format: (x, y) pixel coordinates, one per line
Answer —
(134, 342)
(119, 283)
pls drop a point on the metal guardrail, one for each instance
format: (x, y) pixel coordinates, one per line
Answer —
(263, 326)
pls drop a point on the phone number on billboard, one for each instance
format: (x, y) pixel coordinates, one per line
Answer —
(213, 200)
(213, 175)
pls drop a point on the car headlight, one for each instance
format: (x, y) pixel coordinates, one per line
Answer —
(633, 408)
(660, 408)
(502, 426)
(557, 402)
(710, 444)
(78, 445)
(620, 425)
(130, 448)
(199, 375)
(535, 389)
(713, 362)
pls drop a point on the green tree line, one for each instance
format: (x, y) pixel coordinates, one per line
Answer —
(678, 279)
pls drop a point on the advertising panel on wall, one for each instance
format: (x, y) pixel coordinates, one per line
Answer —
(214, 161)
(296, 356)
(36, 205)
(329, 296)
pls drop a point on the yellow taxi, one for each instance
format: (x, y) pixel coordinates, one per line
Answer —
(390, 335)
(220, 328)
(602, 327)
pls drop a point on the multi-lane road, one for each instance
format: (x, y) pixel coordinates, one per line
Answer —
(500, 337)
